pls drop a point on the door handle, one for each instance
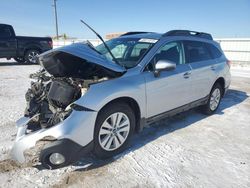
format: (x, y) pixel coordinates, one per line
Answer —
(187, 75)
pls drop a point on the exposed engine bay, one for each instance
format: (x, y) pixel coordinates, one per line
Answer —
(49, 97)
(63, 79)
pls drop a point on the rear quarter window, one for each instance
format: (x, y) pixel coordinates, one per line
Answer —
(196, 51)
(216, 53)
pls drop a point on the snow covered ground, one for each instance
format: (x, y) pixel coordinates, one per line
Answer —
(188, 150)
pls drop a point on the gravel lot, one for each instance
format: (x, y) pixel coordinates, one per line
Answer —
(188, 150)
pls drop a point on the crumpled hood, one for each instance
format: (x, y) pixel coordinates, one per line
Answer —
(83, 51)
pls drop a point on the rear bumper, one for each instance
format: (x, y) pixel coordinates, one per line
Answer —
(227, 78)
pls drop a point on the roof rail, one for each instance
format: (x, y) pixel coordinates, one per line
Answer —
(188, 33)
(134, 33)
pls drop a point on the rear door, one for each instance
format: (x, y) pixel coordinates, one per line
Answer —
(203, 67)
(7, 42)
(171, 89)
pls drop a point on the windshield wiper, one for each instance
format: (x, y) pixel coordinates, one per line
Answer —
(92, 47)
(106, 46)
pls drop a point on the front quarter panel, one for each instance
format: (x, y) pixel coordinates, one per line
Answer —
(100, 94)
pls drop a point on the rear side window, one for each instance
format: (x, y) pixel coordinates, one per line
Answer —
(216, 53)
(5, 31)
(196, 51)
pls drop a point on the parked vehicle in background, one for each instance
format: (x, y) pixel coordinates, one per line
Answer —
(21, 48)
(92, 99)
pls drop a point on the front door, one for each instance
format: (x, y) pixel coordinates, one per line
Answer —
(171, 89)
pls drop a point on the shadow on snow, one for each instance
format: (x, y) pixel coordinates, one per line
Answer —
(163, 127)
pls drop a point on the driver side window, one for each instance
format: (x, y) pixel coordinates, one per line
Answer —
(171, 52)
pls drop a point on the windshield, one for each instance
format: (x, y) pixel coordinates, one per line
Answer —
(127, 51)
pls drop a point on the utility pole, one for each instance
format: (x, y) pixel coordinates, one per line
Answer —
(55, 11)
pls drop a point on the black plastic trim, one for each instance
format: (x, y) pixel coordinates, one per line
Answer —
(134, 33)
(178, 110)
(188, 33)
(68, 148)
(142, 124)
(78, 107)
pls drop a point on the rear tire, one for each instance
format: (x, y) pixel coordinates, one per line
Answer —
(31, 56)
(114, 127)
(214, 100)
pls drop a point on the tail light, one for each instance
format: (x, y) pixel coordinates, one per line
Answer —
(50, 44)
(229, 63)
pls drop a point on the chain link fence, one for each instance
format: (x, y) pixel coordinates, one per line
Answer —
(237, 50)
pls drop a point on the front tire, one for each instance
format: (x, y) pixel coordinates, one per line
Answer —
(214, 100)
(114, 127)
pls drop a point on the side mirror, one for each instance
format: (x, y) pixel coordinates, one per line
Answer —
(163, 65)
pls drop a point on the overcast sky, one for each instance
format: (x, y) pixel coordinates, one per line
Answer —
(222, 18)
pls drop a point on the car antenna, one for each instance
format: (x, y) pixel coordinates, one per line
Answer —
(99, 36)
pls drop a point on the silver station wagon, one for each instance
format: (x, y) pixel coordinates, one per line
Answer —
(88, 99)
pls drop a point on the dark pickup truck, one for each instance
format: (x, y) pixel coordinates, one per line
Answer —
(22, 49)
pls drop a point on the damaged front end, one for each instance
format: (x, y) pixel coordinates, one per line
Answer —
(48, 99)
(51, 115)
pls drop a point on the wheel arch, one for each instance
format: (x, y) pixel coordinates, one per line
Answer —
(221, 81)
(134, 106)
(32, 48)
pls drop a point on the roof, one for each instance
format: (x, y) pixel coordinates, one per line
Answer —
(5, 24)
(147, 35)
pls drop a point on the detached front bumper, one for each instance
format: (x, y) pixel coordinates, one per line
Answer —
(74, 134)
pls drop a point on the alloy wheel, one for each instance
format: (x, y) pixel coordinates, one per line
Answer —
(32, 56)
(215, 99)
(114, 131)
